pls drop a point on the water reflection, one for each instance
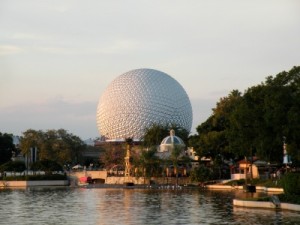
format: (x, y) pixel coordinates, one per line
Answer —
(128, 206)
(265, 216)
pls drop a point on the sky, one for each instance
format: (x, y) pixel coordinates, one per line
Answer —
(58, 56)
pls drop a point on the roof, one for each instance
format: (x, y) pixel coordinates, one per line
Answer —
(172, 139)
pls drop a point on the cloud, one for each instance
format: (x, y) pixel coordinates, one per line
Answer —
(9, 50)
(55, 50)
(33, 43)
(28, 36)
(119, 46)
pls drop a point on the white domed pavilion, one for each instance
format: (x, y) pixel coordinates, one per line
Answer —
(169, 142)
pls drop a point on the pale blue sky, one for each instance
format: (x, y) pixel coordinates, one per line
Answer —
(58, 56)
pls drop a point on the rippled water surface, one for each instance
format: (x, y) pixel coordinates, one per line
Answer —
(130, 206)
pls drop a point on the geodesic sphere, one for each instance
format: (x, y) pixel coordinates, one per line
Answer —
(138, 99)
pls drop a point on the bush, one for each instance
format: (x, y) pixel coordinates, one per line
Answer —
(292, 199)
(258, 199)
(15, 178)
(47, 166)
(291, 183)
(48, 177)
(236, 182)
(201, 174)
(36, 177)
(14, 166)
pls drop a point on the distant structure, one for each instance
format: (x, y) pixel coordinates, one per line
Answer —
(169, 142)
(286, 158)
(138, 99)
(165, 150)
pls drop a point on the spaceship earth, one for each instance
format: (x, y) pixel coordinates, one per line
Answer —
(138, 99)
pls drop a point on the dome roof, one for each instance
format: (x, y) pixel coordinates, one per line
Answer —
(138, 99)
(169, 142)
(172, 139)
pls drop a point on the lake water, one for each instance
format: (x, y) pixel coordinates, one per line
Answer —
(130, 206)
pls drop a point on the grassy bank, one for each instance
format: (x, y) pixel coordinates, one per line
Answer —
(257, 182)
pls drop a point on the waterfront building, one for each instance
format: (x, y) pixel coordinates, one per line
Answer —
(166, 150)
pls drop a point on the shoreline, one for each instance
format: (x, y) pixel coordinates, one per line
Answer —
(257, 204)
(236, 202)
(265, 205)
(33, 183)
(258, 188)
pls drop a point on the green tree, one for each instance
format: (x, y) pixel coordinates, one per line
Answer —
(149, 162)
(201, 174)
(246, 121)
(212, 134)
(291, 184)
(266, 114)
(155, 134)
(13, 166)
(113, 155)
(46, 165)
(6, 147)
(55, 145)
(175, 158)
(256, 122)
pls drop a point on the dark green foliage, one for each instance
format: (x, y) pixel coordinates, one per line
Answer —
(46, 165)
(148, 162)
(113, 155)
(47, 177)
(267, 113)
(212, 138)
(256, 122)
(292, 199)
(291, 183)
(129, 141)
(201, 174)
(257, 182)
(156, 133)
(6, 147)
(236, 182)
(36, 177)
(267, 183)
(56, 145)
(13, 166)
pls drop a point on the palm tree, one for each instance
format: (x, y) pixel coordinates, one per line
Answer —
(175, 154)
(148, 162)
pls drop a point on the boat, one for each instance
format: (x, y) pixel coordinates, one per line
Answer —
(84, 181)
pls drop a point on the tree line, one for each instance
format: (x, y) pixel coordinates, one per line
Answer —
(256, 122)
(55, 148)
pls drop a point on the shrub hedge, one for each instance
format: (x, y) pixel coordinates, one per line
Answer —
(292, 199)
(291, 183)
(36, 177)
